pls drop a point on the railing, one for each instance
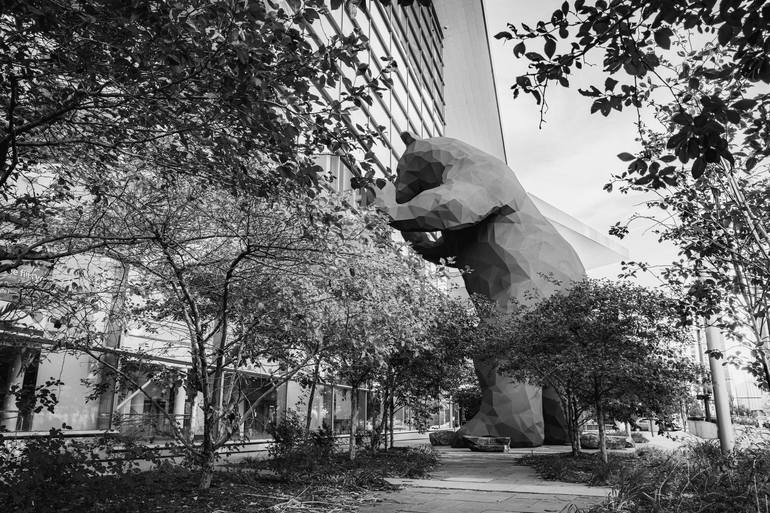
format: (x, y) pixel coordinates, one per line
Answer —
(14, 420)
(148, 425)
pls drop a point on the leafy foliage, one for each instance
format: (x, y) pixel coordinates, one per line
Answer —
(583, 468)
(35, 472)
(294, 451)
(613, 347)
(366, 471)
(635, 38)
(196, 89)
(339, 484)
(698, 478)
(702, 67)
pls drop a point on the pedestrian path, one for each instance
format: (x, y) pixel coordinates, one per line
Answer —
(472, 482)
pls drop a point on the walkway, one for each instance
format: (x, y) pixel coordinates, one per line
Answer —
(472, 482)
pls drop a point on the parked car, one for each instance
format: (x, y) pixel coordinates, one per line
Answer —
(643, 424)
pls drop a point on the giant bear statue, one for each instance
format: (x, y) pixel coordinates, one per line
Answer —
(489, 225)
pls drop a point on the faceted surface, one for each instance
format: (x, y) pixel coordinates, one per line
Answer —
(489, 225)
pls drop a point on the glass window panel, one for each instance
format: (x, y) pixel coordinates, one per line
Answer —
(341, 410)
(258, 418)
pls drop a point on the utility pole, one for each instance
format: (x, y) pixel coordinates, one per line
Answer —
(721, 396)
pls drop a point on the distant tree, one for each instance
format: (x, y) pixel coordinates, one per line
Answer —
(609, 347)
(392, 332)
(418, 375)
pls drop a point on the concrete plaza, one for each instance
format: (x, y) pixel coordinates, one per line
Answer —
(472, 482)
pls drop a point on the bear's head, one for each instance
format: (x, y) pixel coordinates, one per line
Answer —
(419, 168)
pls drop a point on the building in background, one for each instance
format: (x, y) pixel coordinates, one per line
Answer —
(443, 84)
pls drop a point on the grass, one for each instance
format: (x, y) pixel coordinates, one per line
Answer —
(368, 470)
(339, 485)
(696, 478)
(586, 468)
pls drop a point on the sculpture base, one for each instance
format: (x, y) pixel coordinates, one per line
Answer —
(488, 443)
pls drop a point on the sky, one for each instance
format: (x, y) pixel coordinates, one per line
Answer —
(568, 161)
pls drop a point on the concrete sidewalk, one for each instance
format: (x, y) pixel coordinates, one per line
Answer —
(472, 482)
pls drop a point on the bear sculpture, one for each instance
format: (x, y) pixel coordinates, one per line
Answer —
(489, 225)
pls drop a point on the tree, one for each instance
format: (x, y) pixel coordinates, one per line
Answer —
(700, 66)
(636, 37)
(203, 87)
(418, 374)
(611, 347)
(226, 269)
(719, 222)
(391, 331)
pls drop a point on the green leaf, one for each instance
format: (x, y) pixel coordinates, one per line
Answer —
(626, 157)
(534, 56)
(504, 35)
(682, 118)
(644, 180)
(745, 104)
(698, 167)
(725, 34)
(550, 47)
(663, 37)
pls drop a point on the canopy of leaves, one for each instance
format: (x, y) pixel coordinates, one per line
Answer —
(635, 40)
(200, 89)
(603, 343)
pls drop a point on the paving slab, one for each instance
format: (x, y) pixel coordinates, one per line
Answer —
(472, 482)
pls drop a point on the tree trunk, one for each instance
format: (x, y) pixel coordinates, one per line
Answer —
(311, 396)
(572, 427)
(353, 421)
(602, 435)
(208, 454)
(377, 426)
(391, 414)
(384, 420)
(207, 474)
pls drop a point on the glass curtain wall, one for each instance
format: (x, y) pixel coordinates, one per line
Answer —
(412, 37)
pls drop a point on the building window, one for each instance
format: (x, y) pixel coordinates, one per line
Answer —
(18, 379)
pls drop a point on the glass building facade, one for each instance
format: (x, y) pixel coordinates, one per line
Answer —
(411, 37)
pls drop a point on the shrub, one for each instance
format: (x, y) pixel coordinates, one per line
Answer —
(294, 451)
(34, 472)
(288, 435)
(696, 479)
(585, 468)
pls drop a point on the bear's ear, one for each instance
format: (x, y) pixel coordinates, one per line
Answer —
(407, 138)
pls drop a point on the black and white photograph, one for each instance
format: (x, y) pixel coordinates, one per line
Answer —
(384, 256)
